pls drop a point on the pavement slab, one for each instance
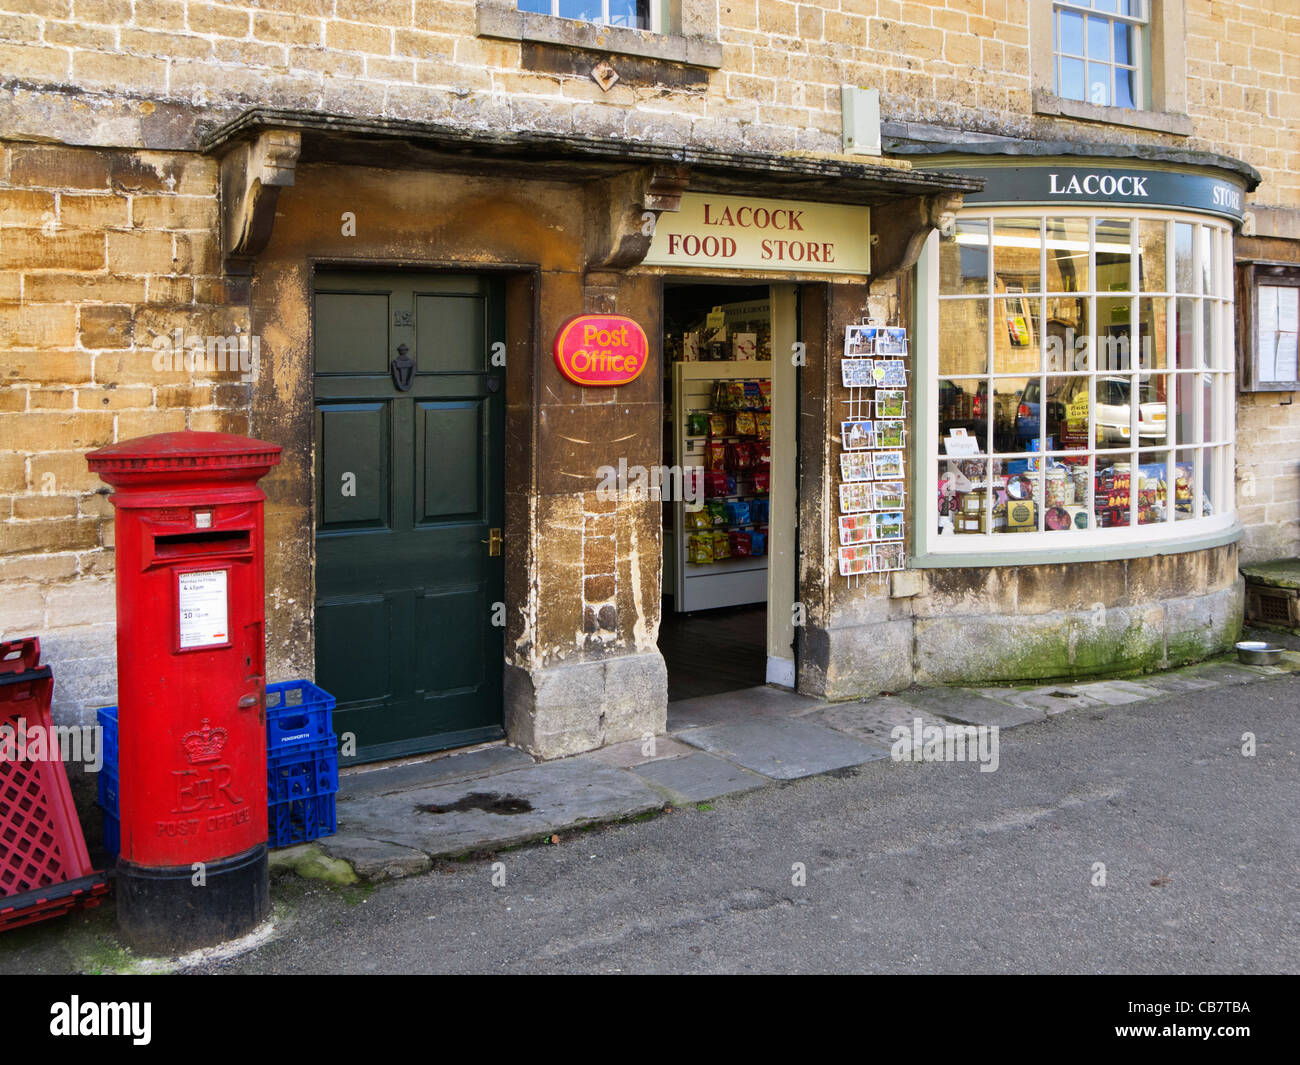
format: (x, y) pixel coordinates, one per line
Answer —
(743, 705)
(377, 859)
(784, 749)
(872, 721)
(971, 708)
(463, 766)
(507, 809)
(1114, 693)
(632, 752)
(699, 777)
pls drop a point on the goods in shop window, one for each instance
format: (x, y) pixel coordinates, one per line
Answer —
(758, 542)
(856, 373)
(715, 484)
(740, 458)
(855, 497)
(760, 509)
(1022, 516)
(717, 424)
(856, 466)
(741, 544)
(721, 545)
(762, 454)
(890, 434)
(716, 455)
(763, 425)
(746, 423)
(738, 512)
(691, 347)
(891, 403)
(697, 423)
(699, 548)
(764, 393)
(886, 495)
(744, 346)
(762, 481)
(700, 519)
(717, 513)
(888, 464)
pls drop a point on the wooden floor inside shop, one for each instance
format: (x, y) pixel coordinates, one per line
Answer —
(713, 651)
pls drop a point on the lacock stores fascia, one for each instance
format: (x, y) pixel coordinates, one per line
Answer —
(444, 498)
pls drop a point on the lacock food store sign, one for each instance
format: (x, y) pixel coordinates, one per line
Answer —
(740, 233)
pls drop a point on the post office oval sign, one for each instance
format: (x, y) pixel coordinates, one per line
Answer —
(601, 350)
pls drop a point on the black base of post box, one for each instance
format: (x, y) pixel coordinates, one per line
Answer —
(173, 910)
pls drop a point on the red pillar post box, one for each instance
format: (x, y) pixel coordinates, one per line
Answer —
(192, 870)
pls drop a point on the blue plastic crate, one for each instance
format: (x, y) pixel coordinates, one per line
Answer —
(301, 775)
(108, 788)
(112, 833)
(300, 821)
(299, 716)
(107, 718)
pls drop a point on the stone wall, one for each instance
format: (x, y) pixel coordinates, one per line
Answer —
(152, 69)
(102, 254)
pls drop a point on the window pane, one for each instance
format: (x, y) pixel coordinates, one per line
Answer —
(633, 13)
(963, 405)
(1069, 79)
(1208, 261)
(1113, 491)
(1185, 485)
(1065, 414)
(1069, 33)
(1016, 322)
(1114, 255)
(1153, 425)
(1099, 84)
(963, 496)
(1015, 422)
(964, 258)
(1186, 337)
(1069, 338)
(1098, 38)
(1123, 42)
(540, 7)
(1067, 255)
(1153, 334)
(1152, 237)
(1106, 5)
(1017, 248)
(1185, 431)
(586, 10)
(1152, 494)
(1124, 83)
(1114, 345)
(963, 332)
(1183, 276)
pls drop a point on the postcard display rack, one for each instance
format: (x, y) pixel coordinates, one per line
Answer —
(722, 415)
(873, 438)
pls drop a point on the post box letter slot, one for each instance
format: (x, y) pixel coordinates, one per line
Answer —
(187, 545)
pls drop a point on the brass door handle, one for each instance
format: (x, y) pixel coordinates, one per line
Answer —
(493, 541)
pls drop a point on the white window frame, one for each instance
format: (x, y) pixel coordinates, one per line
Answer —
(931, 548)
(656, 8)
(1140, 60)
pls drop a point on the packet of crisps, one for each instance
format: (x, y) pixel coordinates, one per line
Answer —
(721, 545)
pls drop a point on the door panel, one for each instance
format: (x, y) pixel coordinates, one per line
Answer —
(350, 332)
(354, 446)
(449, 453)
(405, 581)
(449, 333)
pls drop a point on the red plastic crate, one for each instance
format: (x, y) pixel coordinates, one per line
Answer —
(44, 867)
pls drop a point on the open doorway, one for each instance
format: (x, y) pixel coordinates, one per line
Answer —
(728, 568)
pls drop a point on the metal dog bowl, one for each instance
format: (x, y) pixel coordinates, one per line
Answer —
(1258, 653)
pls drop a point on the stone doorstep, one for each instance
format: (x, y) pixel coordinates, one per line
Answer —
(740, 743)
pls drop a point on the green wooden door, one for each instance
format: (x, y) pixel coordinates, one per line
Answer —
(408, 494)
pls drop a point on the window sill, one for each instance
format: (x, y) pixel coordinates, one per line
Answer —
(513, 25)
(1157, 121)
(1021, 553)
